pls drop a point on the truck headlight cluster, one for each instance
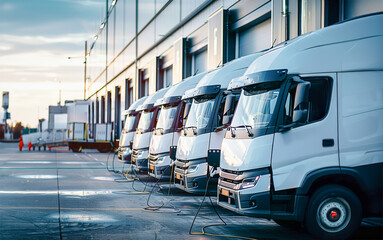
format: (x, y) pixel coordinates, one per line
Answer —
(139, 153)
(249, 182)
(127, 151)
(192, 168)
(160, 159)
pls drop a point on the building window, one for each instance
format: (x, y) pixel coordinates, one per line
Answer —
(143, 83)
(309, 16)
(199, 61)
(128, 93)
(97, 110)
(103, 109)
(117, 111)
(254, 39)
(165, 77)
(109, 116)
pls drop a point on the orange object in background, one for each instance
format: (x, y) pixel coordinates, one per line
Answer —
(21, 143)
(29, 146)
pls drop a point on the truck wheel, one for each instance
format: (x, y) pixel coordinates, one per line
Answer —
(333, 212)
(103, 149)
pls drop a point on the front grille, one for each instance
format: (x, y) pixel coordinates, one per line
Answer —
(153, 158)
(230, 179)
(134, 153)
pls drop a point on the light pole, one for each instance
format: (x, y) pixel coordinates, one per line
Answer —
(85, 60)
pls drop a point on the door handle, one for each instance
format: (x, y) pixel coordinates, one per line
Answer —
(329, 142)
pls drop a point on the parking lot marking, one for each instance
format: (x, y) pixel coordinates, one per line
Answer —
(79, 209)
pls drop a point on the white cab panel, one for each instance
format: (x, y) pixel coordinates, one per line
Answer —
(299, 151)
(361, 118)
(160, 143)
(246, 154)
(176, 137)
(142, 140)
(216, 139)
(190, 148)
(126, 138)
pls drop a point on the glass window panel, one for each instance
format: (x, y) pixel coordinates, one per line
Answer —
(111, 53)
(255, 39)
(160, 4)
(146, 11)
(146, 39)
(130, 21)
(200, 62)
(188, 6)
(119, 27)
(168, 19)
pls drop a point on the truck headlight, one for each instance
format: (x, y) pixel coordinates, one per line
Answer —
(139, 153)
(127, 151)
(249, 182)
(192, 168)
(160, 159)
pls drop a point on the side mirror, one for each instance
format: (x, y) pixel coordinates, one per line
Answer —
(227, 119)
(301, 103)
(228, 111)
(187, 109)
(186, 112)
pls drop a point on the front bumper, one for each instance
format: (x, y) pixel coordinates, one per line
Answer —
(159, 166)
(140, 159)
(193, 182)
(125, 155)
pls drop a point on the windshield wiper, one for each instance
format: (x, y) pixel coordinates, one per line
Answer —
(247, 127)
(161, 130)
(194, 130)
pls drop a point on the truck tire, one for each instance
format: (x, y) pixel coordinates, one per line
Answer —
(103, 149)
(333, 212)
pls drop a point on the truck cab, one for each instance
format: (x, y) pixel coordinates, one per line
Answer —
(306, 141)
(168, 128)
(148, 121)
(203, 129)
(131, 118)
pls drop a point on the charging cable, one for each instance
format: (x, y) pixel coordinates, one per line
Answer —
(212, 173)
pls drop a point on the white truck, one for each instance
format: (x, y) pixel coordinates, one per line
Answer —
(306, 140)
(131, 118)
(203, 128)
(168, 128)
(148, 121)
(80, 129)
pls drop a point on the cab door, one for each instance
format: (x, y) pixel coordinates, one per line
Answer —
(312, 145)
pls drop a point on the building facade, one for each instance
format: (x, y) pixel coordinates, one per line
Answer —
(145, 45)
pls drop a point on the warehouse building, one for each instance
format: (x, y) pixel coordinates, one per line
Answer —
(145, 45)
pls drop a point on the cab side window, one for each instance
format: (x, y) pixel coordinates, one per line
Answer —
(319, 100)
(221, 108)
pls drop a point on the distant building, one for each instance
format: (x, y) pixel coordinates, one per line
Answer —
(145, 45)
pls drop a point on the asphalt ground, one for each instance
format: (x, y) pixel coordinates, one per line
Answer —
(63, 195)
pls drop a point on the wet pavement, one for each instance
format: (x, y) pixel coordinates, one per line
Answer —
(65, 195)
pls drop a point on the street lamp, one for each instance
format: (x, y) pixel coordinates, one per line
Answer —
(85, 60)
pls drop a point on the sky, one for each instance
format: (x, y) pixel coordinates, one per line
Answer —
(36, 39)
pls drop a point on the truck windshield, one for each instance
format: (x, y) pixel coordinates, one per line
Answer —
(129, 123)
(167, 117)
(145, 120)
(200, 113)
(255, 108)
